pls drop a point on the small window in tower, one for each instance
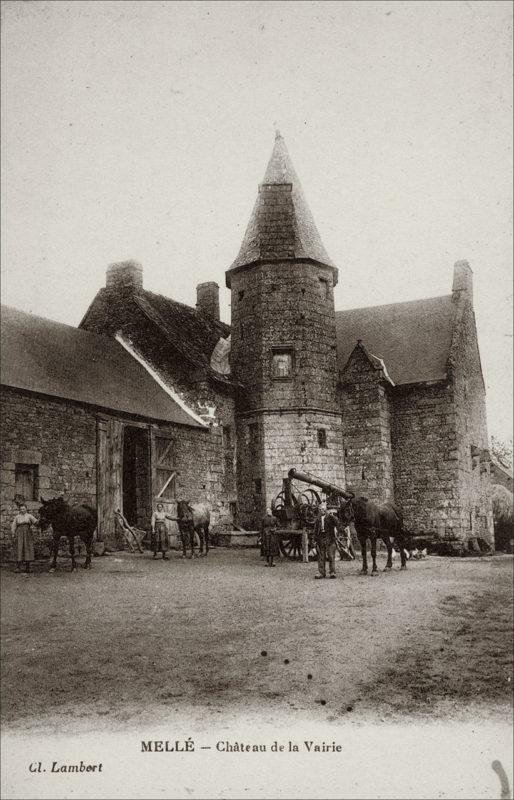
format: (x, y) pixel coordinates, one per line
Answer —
(227, 437)
(324, 288)
(258, 485)
(253, 435)
(26, 481)
(241, 294)
(282, 364)
(322, 437)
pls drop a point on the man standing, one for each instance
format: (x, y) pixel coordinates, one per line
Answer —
(325, 537)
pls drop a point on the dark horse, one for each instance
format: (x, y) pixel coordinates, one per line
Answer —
(375, 521)
(193, 517)
(70, 521)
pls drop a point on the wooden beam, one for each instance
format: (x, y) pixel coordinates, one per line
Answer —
(167, 483)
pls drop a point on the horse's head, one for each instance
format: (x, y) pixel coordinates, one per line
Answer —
(50, 511)
(346, 512)
(184, 510)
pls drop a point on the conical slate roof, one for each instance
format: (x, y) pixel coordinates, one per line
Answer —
(281, 226)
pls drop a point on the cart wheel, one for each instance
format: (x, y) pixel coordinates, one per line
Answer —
(291, 547)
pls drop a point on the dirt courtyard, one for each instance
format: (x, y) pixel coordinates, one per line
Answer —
(137, 639)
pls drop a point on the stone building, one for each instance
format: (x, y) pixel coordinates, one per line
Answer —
(388, 401)
(82, 418)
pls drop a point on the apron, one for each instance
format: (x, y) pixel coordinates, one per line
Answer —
(160, 539)
(24, 542)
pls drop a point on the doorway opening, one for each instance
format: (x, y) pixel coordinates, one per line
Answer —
(137, 507)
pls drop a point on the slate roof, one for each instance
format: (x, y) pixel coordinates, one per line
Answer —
(191, 331)
(44, 356)
(412, 338)
(281, 225)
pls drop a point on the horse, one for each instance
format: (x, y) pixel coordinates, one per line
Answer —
(193, 518)
(70, 521)
(374, 521)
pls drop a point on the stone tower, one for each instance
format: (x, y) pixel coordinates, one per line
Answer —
(283, 343)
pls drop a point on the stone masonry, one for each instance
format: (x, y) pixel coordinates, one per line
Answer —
(365, 403)
(60, 439)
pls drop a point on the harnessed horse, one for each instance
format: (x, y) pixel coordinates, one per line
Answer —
(193, 518)
(70, 521)
(374, 521)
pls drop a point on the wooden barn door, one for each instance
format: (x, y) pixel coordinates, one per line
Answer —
(164, 478)
(108, 476)
(163, 470)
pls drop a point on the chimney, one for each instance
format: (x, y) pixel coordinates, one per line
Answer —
(208, 299)
(125, 275)
(463, 280)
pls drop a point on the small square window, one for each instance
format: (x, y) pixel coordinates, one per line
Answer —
(26, 478)
(322, 437)
(282, 364)
(241, 294)
(227, 436)
(324, 288)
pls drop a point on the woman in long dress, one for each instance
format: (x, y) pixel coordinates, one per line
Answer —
(160, 538)
(270, 547)
(24, 539)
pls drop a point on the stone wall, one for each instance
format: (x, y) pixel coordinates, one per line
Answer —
(366, 427)
(425, 458)
(59, 439)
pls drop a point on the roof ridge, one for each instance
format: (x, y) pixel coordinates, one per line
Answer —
(399, 303)
(82, 331)
(195, 311)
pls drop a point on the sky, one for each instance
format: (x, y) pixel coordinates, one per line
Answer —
(141, 130)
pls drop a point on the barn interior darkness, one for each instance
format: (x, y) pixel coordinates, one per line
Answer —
(136, 476)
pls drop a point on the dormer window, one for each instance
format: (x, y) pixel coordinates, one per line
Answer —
(282, 363)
